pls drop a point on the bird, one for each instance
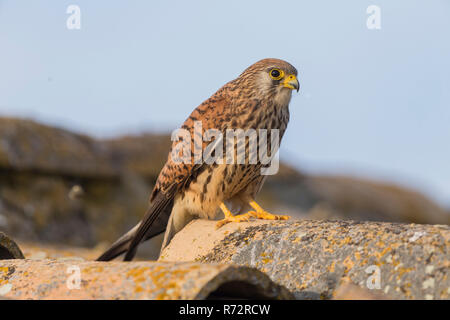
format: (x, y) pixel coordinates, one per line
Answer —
(185, 190)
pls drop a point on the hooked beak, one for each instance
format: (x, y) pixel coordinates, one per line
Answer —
(291, 82)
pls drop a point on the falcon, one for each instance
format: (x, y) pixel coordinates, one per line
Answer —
(185, 190)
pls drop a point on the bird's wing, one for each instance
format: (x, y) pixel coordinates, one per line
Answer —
(172, 178)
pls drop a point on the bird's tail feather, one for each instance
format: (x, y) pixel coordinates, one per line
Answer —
(159, 212)
(158, 207)
(120, 246)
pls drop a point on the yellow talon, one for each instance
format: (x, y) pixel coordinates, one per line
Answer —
(260, 213)
(229, 217)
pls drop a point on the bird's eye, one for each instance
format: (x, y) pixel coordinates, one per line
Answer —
(276, 74)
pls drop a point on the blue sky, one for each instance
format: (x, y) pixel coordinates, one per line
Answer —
(373, 103)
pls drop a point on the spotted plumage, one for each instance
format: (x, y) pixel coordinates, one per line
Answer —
(258, 99)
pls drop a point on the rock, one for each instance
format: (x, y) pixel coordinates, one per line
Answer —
(57, 186)
(49, 279)
(143, 155)
(28, 146)
(9, 249)
(312, 258)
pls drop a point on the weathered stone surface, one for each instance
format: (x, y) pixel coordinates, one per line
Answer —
(49, 279)
(27, 145)
(8, 248)
(311, 258)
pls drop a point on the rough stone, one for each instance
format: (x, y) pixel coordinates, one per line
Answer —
(312, 258)
(50, 279)
(9, 249)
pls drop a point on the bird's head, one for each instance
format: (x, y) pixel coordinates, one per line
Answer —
(271, 78)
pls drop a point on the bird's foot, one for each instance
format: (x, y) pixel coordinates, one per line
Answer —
(260, 213)
(267, 215)
(231, 218)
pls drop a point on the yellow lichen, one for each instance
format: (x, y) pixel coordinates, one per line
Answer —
(331, 268)
(348, 263)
